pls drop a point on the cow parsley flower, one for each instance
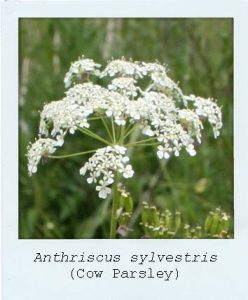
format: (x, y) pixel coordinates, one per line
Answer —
(40, 148)
(166, 118)
(79, 68)
(125, 86)
(102, 166)
(123, 68)
(209, 109)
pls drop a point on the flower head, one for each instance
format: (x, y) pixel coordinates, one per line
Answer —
(40, 148)
(79, 68)
(161, 111)
(102, 166)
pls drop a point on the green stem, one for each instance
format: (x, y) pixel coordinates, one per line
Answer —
(115, 203)
(137, 144)
(150, 86)
(122, 131)
(113, 129)
(96, 118)
(93, 135)
(118, 133)
(129, 131)
(107, 129)
(71, 155)
(141, 141)
(128, 127)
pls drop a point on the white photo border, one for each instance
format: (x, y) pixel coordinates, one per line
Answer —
(224, 280)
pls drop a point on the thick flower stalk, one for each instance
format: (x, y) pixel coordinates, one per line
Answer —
(166, 118)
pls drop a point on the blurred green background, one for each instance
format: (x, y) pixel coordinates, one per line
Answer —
(57, 202)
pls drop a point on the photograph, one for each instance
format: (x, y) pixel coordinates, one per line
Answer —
(126, 128)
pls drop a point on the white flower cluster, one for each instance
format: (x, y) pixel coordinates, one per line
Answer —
(37, 150)
(209, 109)
(103, 165)
(123, 68)
(161, 109)
(125, 86)
(79, 68)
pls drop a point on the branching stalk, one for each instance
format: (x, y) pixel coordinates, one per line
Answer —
(94, 136)
(113, 130)
(71, 155)
(107, 129)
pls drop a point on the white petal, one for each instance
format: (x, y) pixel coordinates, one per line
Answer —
(110, 181)
(160, 154)
(103, 194)
(90, 180)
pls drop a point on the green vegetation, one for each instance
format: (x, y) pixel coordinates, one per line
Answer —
(167, 225)
(57, 202)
